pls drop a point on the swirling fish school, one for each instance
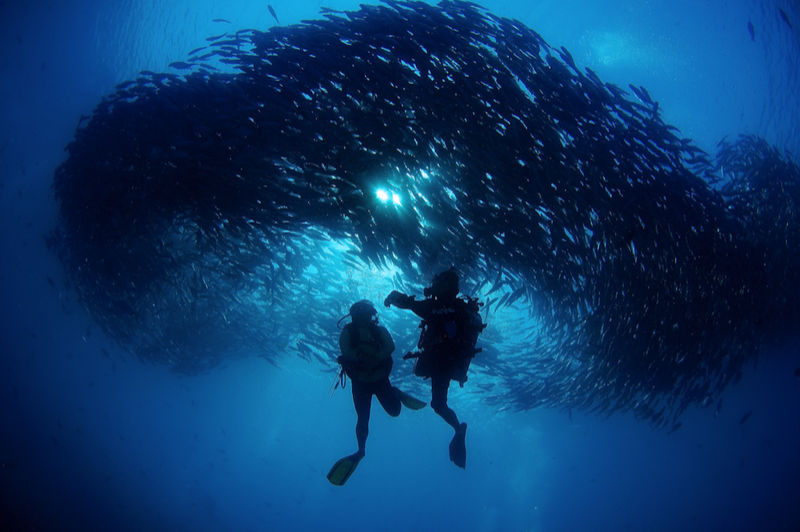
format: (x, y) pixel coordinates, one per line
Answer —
(199, 211)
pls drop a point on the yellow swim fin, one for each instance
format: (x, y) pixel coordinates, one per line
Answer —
(342, 469)
(410, 402)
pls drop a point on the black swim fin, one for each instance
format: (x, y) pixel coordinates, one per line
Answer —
(410, 402)
(345, 467)
(458, 447)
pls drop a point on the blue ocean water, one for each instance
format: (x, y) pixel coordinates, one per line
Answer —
(92, 439)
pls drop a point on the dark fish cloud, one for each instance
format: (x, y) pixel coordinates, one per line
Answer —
(200, 212)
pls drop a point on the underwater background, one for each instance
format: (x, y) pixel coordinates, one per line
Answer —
(94, 439)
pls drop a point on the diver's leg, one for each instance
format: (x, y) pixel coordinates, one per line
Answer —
(458, 446)
(389, 399)
(362, 399)
(439, 386)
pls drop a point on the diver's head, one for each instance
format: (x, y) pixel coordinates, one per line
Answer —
(362, 312)
(444, 285)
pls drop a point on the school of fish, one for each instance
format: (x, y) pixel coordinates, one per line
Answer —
(220, 212)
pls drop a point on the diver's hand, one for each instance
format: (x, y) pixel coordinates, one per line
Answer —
(398, 299)
(391, 298)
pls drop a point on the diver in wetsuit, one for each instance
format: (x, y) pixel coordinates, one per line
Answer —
(366, 359)
(446, 347)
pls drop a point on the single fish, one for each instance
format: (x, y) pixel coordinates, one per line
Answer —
(745, 417)
(785, 18)
(272, 12)
(221, 20)
(752, 30)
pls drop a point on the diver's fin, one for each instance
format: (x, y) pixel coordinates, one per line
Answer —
(345, 467)
(410, 402)
(458, 447)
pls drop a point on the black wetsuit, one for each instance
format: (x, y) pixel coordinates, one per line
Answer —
(367, 361)
(362, 399)
(443, 318)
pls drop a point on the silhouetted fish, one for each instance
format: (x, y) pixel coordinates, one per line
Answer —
(745, 417)
(272, 12)
(752, 30)
(785, 18)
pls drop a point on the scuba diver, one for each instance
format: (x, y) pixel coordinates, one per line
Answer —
(367, 360)
(450, 328)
